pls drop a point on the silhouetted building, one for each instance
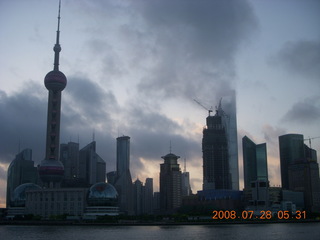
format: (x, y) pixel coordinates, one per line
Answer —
(123, 182)
(170, 184)
(21, 170)
(51, 170)
(291, 148)
(148, 196)
(92, 168)
(304, 177)
(254, 162)
(185, 182)
(69, 156)
(138, 195)
(156, 202)
(216, 172)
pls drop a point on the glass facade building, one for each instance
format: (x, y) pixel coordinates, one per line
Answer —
(254, 161)
(291, 147)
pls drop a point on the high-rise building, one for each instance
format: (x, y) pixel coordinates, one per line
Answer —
(254, 161)
(148, 196)
(185, 182)
(291, 148)
(92, 167)
(21, 170)
(123, 182)
(138, 201)
(51, 170)
(303, 177)
(170, 184)
(216, 171)
(69, 156)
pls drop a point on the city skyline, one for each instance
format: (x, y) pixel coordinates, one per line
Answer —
(129, 73)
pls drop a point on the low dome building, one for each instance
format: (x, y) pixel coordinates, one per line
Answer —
(102, 200)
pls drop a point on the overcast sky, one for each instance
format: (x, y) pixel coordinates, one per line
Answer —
(134, 68)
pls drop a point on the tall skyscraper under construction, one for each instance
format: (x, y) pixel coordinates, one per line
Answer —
(220, 154)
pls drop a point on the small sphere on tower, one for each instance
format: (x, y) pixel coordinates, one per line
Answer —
(55, 81)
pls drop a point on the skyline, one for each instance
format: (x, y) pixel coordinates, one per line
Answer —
(137, 64)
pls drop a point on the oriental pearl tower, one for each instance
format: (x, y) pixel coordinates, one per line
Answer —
(51, 170)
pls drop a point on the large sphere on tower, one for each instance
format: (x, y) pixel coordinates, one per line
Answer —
(55, 81)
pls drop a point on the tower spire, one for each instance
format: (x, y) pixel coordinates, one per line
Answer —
(57, 47)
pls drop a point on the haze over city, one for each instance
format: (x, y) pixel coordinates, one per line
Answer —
(134, 68)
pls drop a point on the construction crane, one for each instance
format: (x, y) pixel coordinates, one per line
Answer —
(309, 139)
(209, 110)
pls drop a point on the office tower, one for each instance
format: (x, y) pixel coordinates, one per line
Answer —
(138, 201)
(291, 148)
(92, 168)
(123, 182)
(51, 170)
(185, 182)
(303, 176)
(21, 170)
(216, 172)
(254, 161)
(69, 156)
(170, 184)
(148, 196)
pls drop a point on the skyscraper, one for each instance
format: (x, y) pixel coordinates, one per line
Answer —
(303, 177)
(69, 156)
(92, 168)
(170, 184)
(21, 170)
(216, 171)
(123, 182)
(51, 170)
(254, 161)
(185, 182)
(138, 201)
(291, 148)
(148, 196)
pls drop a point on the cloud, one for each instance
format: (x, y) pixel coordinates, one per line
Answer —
(300, 57)
(306, 111)
(194, 45)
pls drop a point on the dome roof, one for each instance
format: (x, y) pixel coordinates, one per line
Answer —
(51, 170)
(55, 80)
(102, 194)
(19, 193)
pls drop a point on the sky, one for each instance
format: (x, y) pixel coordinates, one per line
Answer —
(135, 67)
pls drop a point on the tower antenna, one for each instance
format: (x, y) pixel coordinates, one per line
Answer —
(57, 47)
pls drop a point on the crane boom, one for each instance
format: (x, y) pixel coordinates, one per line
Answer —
(209, 110)
(309, 139)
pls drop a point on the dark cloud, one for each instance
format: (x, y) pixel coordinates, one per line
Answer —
(301, 57)
(194, 45)
(23, 117)
(304, 112)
